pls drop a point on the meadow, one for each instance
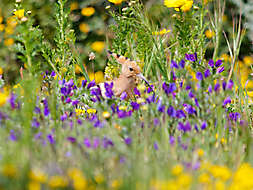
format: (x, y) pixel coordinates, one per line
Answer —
(188, 127)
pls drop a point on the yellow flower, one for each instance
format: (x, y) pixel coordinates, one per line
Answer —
(84, 27)
(209, 33)
(3, 97)
(9, 170)
(116, 2)
(162, 32)
(98, 46)
(57, 182)
(221, 172)
(243, 177)
(90, 111)
(99, 178)
(204, 178)
(219, 185)
(79, 181)
(1, 19)
(116, 184)
(225, 57)
(184, 180)
(177, 169)
(2, 27)
(1, 71)
(33, 185)
(9, 30)
(248, 60)
(8, 42)
(122, 108)
(200, 152)
(37, 176)
(88, 11)
(11, 21)
(19, 13)
(74, 6)
(184, 5)
(99, 77)
(106, 114)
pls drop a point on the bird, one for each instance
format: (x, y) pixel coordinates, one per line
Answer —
(127, 80)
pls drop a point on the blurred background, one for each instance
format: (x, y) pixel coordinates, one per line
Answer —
(90, 20)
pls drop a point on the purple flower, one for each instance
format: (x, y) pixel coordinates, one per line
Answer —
(86, 142)
(123, 114)
(210, 88)
(64, 117)
(79, 121)
(207, 73)
(169, 89)
(230, 84)
(211, 63)
(12, 101)
(96, 142)
(75, 102)
(199, 76)
(174, 64)
(217, 87)
(156, 122)
(196, 102)
(135, 105)
(108, 90)
(70, 83)
(227, 101)
(46, 109)
(188, 87)
(171, 111)
(190, 110)
(64, 91)
(160, 107)
(35, 122)
(84, 82)
(123, 96)
(182, 63)
(234, 116)
(107, 142)
(191, 57)
(220, 69)
(50, 139)
(196, 127)
(128, 140)
(71, 139)
(190, 94)
(37, 110)
(218, 63)
(38, 135)
(12, 136)
(68, 100)
(53, 74)
(137, 92)
(180, 114)
(224, 85)
(203, 125)
(172, 140)
(91, 84)
(184, 128)
(156, 146)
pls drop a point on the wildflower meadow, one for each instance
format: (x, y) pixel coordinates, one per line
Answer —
(126, 94)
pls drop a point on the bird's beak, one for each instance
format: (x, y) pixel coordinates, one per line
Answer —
(143, 78)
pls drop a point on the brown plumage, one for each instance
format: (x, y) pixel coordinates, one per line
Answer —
(126, 82)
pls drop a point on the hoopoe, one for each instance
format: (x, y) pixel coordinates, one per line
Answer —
(127, 80)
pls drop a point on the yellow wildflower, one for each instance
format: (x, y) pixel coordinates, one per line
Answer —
(98, 46)
(221, 172)
(99, 77)
(118, 127)
(8, 42)
(37, 176)
(88, 11)
(9, 170)
(209, 33)
(184, 5)
(90, 111)
(243, 177)
(79, 181)
(19, 13)
(162, 32)
(116, 2)
(1, 71)
(1, 19)
(2, 27)
(84, 27)
(74, 6)
(11, 21)
(9, 30)
(106, 114)
(140, 100)
(219, 185)
(57, 182)
(200, 152)
(248, 60)
(116, 184)
(225, 57)
(33, 185)
(204, 178)
(177, 169)
(122, 108)
(99, 178)
(184, 180)
(77, 69)
(3, 97)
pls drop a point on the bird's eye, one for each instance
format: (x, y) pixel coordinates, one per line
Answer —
(131, 69)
